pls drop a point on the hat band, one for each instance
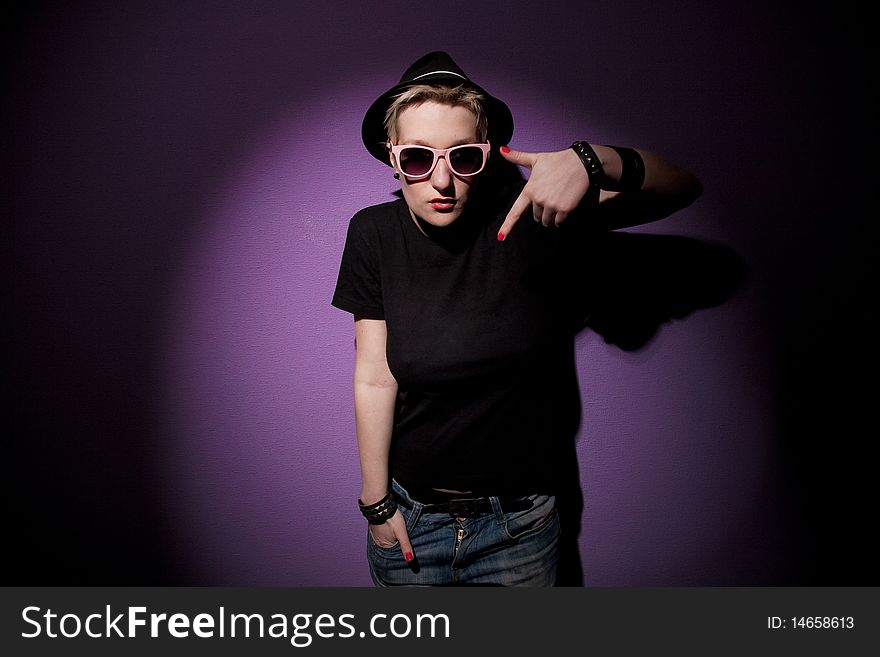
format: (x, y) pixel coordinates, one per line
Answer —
(437, 72)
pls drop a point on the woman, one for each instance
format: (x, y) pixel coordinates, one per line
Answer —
(464, 324)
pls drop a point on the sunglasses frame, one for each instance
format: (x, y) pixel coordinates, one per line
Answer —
(438, 153)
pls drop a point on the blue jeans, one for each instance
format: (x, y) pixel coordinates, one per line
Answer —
(514, 548)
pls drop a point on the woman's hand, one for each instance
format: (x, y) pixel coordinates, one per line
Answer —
(393, 532)
(557, 183)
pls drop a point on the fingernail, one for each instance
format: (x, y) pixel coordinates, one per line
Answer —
(505, 149)
(408, 556)
(500, 237)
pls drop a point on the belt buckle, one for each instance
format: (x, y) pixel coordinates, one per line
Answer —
(464, 507)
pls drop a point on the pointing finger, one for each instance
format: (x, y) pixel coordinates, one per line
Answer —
(520, 205)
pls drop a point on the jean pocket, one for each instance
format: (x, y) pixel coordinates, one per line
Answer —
(520, 524)
(377, 544)
(410, 518)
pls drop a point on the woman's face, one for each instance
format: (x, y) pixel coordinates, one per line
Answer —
(441, 197)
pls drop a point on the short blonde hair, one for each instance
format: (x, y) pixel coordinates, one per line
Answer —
(460, 96)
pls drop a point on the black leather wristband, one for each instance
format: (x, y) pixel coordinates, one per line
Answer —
(591, 163)
(380, 511)
(632, 170)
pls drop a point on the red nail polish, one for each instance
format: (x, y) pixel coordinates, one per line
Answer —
(408, 556)
(500, 237)
(505, 149)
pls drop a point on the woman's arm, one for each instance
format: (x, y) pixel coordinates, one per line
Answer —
(666, 189)
(559, 182)
(375, 393)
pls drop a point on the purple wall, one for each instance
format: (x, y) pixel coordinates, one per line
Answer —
(179, 180)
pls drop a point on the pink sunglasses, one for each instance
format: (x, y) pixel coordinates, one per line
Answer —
(417, 161)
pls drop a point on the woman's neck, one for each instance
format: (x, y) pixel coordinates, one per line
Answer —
(454, 237)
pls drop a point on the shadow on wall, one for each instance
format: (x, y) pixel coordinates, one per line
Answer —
(635, 283)
(643, 281)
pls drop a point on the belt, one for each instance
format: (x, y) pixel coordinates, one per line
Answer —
(469, 507)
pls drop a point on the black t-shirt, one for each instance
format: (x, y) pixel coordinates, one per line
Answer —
(480, 341)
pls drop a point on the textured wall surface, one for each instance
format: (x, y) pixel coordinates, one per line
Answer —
(179, 181)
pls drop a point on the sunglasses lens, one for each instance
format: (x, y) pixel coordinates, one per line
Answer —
(415, 161)
(466, 160)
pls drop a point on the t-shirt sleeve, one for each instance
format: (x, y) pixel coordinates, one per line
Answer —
(359, 283)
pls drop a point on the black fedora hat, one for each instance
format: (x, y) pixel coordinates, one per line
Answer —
(434, 68)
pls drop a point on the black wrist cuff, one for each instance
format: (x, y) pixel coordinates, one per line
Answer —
(591, 163)
(379, 512)
(632, 172)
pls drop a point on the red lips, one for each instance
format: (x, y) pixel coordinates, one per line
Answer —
(443, 204)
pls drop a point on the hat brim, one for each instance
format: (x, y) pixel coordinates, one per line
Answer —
(498, 116)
